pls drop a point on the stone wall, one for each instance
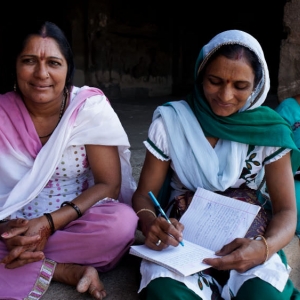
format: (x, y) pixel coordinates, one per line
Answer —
(289, 67)
(136, 49)
(126, 53)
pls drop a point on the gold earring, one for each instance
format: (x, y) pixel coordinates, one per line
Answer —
(15, 87)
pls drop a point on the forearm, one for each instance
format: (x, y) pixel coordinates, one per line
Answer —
(84, 201)
(281, 189)
(152, 177)
(281, 230)
(145, 211)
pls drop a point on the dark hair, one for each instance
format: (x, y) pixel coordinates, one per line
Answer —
(232, 51)
(17, 41)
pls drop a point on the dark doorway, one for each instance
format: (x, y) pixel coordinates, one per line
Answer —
(195, 23)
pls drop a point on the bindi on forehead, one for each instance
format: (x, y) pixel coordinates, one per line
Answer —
(42, 56)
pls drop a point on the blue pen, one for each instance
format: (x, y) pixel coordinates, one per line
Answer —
(157, 205)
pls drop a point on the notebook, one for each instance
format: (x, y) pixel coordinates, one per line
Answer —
(211, 221)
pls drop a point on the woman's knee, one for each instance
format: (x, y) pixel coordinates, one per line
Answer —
(165, 288)
(126, 217)
(258, 289)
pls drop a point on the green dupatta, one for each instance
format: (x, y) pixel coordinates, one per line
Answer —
(261, 126)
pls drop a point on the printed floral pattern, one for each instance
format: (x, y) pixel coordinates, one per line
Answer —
(252, 166)
(206, 281)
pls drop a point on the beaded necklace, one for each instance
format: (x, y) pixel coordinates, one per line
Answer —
(62, 109)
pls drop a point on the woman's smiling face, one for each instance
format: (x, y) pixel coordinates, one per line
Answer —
(227, 84)
(41, 70)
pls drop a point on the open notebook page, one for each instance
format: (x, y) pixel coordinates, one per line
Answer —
(213, 220)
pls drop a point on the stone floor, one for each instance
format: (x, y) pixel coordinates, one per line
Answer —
(123, 282)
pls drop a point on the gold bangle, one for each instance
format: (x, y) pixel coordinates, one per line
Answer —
(262, 238)
(146, 209)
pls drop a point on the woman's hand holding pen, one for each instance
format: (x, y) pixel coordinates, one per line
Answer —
(163, 214)
(168, 234)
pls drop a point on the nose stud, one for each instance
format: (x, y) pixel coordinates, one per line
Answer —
(48, 75)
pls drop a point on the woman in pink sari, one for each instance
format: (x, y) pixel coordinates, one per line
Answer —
(66, 180)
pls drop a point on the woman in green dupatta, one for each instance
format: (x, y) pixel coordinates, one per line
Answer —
(220, 138)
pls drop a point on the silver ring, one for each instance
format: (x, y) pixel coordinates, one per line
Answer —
(158, 243)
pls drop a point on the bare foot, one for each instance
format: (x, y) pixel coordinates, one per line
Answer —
(85, 278)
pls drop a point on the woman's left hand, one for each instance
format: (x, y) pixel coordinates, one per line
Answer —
(241, 255)
(25, 243)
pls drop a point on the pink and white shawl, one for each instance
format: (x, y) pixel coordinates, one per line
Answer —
(26, 166)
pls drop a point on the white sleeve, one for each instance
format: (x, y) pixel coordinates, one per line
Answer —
(157, 142)
(274, 153)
